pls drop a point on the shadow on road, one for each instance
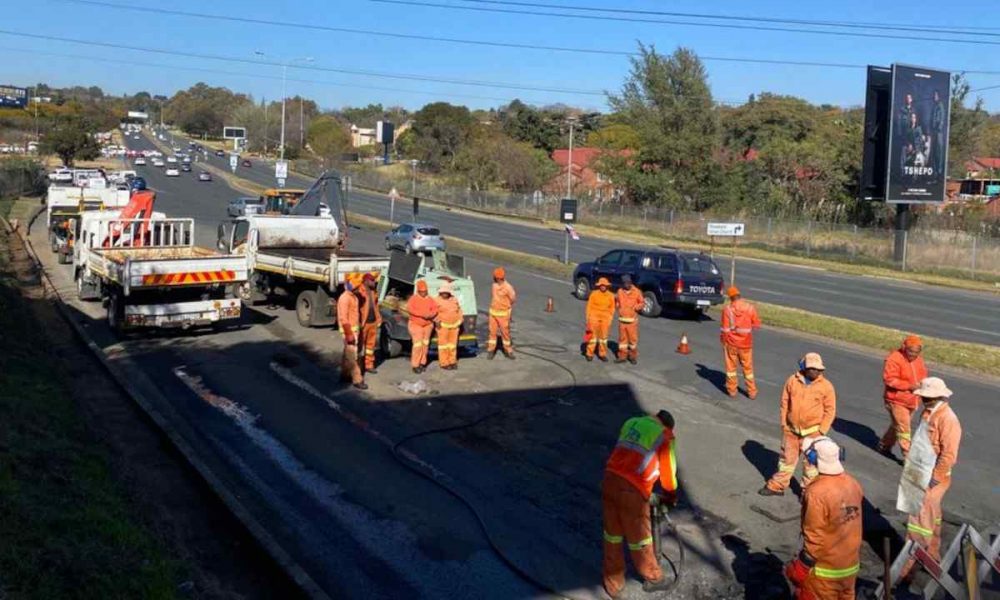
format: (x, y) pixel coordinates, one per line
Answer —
(860, 433)
(760, 573)
(766, 462)
(713, 376)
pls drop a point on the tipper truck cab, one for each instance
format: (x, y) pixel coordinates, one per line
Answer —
(395, 289)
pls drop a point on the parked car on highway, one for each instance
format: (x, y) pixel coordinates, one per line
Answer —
(204, 176)
(140, 161)
(246, 163)
(186, 167)
(667, 277)
(414, 237)
(241, 207)
(220, 153)
(172, 159)
(158, 162)
(172, 172)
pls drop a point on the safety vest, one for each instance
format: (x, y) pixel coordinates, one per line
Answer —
(643, 445)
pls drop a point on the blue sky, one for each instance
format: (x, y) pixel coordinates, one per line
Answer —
(28, 61)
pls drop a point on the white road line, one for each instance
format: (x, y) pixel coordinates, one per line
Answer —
(993, 333)
(760, 291)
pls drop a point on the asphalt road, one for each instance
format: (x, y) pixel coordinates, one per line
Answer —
(912, 307)
(536, 473)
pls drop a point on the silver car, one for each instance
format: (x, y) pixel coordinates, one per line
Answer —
(414, 237)
(242, 207)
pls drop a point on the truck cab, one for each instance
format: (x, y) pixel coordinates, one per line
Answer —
(395, 289)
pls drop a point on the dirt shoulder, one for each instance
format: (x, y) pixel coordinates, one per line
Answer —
(96, 502)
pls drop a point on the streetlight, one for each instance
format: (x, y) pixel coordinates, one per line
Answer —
(569, 160)
(284, 76)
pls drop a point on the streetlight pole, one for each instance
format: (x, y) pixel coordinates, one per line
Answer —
(569, 163)
(284, 73)
(302, 121)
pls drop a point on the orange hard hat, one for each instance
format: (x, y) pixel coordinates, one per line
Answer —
(499, 273)
(603, 281)
(421, 285)
(913, 341)
(733, 291)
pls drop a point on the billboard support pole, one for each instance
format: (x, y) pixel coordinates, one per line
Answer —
(902, 225)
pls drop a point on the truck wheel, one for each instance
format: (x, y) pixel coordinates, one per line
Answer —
(390, 348)
(650, 306)
(408, 249)
(116, 312)
(244, 292)
(582, 288)
(304, 307)
(63, 258)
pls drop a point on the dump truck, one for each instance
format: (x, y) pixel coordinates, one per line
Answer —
(65, 204)
(395, 289)
(150, 274)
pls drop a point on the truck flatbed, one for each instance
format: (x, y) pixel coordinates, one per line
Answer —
(120, 255)
(317, 254)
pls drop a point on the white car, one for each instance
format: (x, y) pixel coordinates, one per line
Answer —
(172, 172)
(140, 161)
(172, 160)
(157, 162)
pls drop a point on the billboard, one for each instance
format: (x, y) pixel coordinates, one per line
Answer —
(234, 133)
(876, 134)
(14, 97)
(384, 132)
(138, 114)
(918, 135)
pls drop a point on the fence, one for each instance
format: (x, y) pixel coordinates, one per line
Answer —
(948, 252)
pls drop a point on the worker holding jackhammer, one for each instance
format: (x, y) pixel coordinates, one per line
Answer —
(645, 453)
(827, 566)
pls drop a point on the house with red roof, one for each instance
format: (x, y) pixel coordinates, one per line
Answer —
(587, 180)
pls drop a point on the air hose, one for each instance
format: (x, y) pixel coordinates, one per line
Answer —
(410, 464)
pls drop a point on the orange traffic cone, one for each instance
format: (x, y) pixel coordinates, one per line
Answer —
(683, 347)
(550, 305)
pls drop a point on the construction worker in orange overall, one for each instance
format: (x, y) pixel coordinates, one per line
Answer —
(501, 306)
(739, 319)
(349, 321)
(600, 314)
(371, 320)
(629, 301)
(808, 408)
(644, 454)
(903, 371)
(449, 322)
(423, 310)
(828, 564)
(935, 442)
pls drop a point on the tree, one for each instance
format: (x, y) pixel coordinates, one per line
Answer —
(202, 109)
(71, 139)
(616, 136)
(967, 125)
(328, 138)
(440, 130)
(666, 100)
(492, 157)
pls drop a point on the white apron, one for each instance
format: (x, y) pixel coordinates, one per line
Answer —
(918, 468)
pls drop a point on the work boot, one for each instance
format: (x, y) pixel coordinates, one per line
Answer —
(766, 491)
(491, 355)
(619, 361)
(590, 359)
(417, 370)
(603, 358)
(660, 585)
(361, 386)
(371, 371)
(752, 396)
(509, 355)
(634, 361)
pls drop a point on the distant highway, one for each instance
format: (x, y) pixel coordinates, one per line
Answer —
(912, 307)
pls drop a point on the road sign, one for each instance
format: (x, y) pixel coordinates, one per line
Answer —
(281, 182)
(281, 170)
(726, 229)
(567, 210)
(233, 161)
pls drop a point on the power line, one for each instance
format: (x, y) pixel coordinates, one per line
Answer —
(258, 76)
(963, 30)
(450, 40)
(410, 77)
(604, 18)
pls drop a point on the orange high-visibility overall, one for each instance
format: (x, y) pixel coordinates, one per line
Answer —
(739, 319)
(630, 302)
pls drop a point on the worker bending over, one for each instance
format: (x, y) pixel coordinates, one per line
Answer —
(644, 453)
(629, 301)
(808, 408)
(827, 567)
(600, 314)
(371, 320)
(903, 371)
(934, 449)
(422, 310)
(349, 322)
(449, 323)
(739, 320)
(501, 307)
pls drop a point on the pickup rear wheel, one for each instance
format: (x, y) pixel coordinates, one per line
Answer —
(116, 312)
(582, 288)
(304, 307)
(650, 305)
(390, 348)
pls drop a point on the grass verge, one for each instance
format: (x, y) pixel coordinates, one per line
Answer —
(66, 527)
(979, 358)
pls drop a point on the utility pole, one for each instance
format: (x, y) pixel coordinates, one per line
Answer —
(265, 126)
(281, 148)
(569, 163)
(302, 121)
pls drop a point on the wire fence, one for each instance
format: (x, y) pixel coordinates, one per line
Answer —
(944, 251)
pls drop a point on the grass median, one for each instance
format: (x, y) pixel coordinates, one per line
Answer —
(978, 358)
(67, 528)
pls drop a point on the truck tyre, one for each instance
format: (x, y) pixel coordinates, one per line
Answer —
(408, 249)
(650, 306)
(63, 258)
(116, 312)
(244, 292)
(390, 348)
(304, 304)
(582, 288)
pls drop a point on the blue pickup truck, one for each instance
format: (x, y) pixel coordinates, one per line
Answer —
(667, 277)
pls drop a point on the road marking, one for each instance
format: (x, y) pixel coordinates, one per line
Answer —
(993, 333)
(760, 291)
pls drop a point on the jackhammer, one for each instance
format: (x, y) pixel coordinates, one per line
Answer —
(658, 515)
